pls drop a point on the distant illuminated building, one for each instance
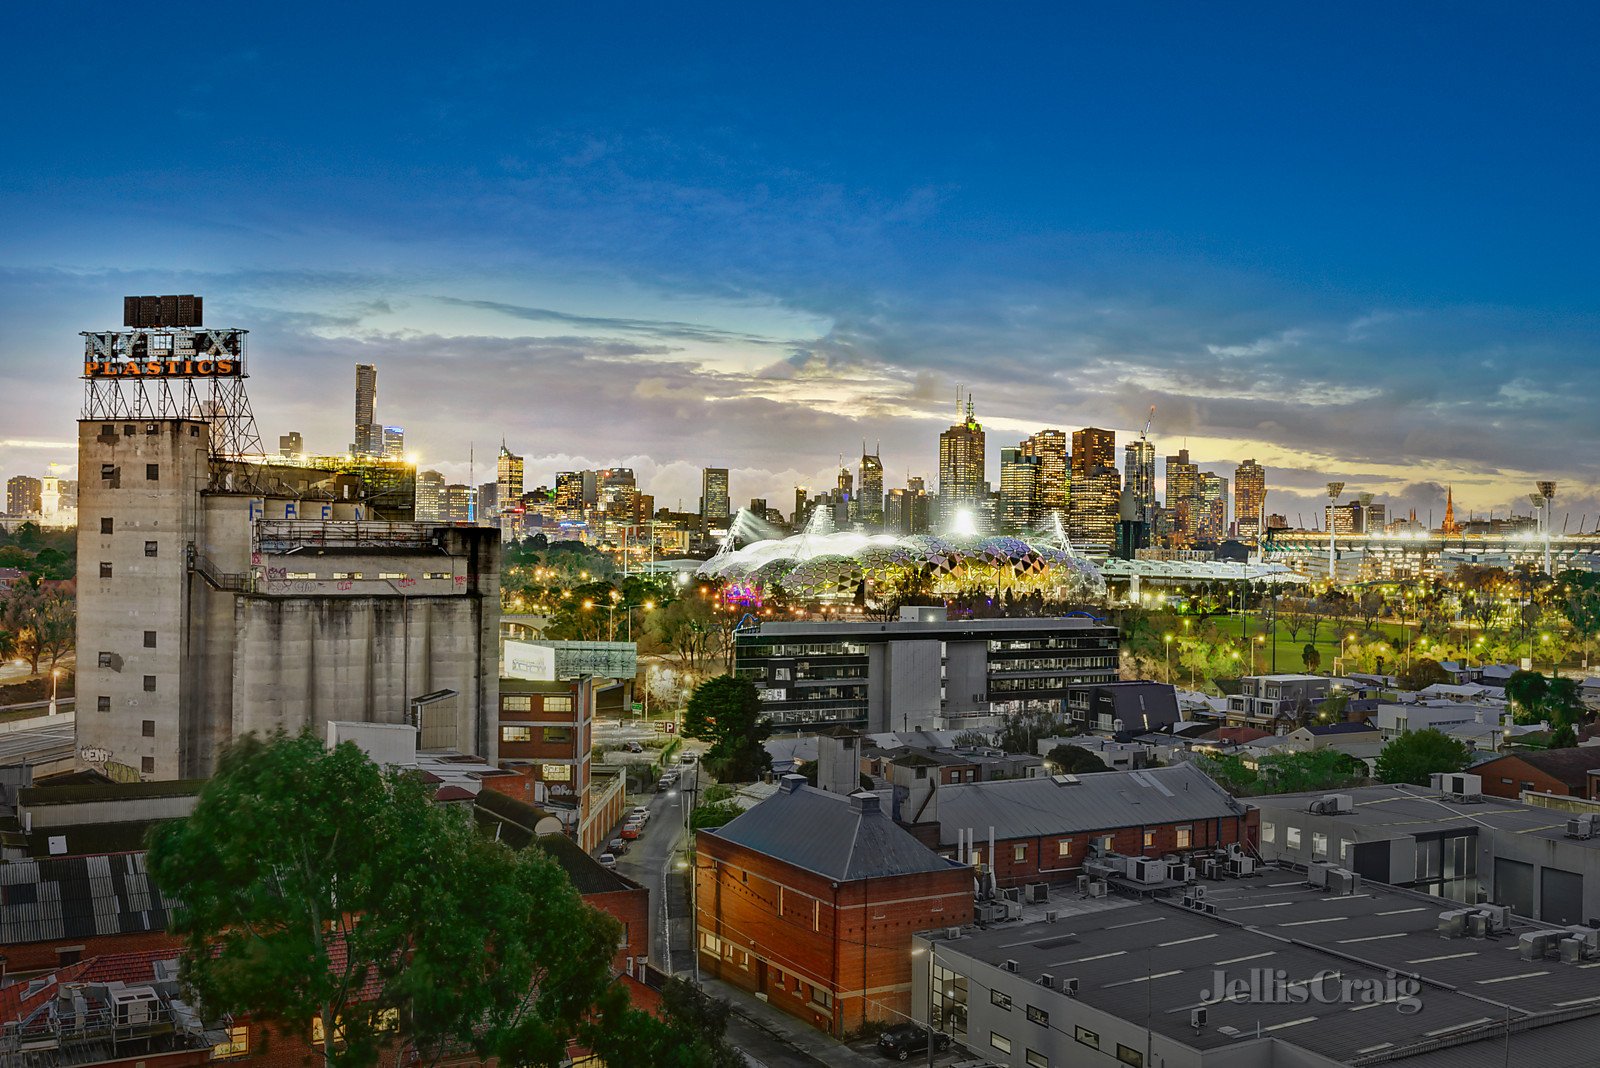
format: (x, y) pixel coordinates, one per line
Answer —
(369, 434)
(455, 503)
(291, 444)
(1019, 490)
(962, 486)
(394, 443)
(1183, 498)
(569, 496)
(869, 492)
(1212, 516)
(1249, 496)
(24, 495)
(430, 486)
(1139, 476)
(714, 501)
(508, 476)
(1049, 448)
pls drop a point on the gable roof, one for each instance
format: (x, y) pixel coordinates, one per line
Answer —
(843, 838)
(1101, 801)
(1571, 766)
(1343, 728)
(77, 897)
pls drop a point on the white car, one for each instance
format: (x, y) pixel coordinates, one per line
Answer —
(608, 860)
(641, 814)
(687, 759)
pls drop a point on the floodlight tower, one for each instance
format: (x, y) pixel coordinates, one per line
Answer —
(1334, 489)
(1547, 492)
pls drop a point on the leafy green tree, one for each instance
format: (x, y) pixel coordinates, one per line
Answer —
(726, 712)
(1318, 769)
(1580, 603)
(693, 1035)
(1230, 772)
(1422, 673)
(313, 886)
(1563, 737)
(1415, 755)
(1311, 658)
(1074, 760)
(1022, 730)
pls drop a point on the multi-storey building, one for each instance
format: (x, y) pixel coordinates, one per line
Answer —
(24, 495)
(1139, 476)
(1249, 498)
(291, 445)
(1019, 490)
(430, 487)
(921, 672)
(869, 491)
(962, 486)
(1212, 525)
(509, 482)
(1093, 448)
(569, 496)
(1183, 498)
(455, 503)
(1049, 448)
(905, 511)
(394, 443)
(1092, 508)
(715, 506)
(369, 433)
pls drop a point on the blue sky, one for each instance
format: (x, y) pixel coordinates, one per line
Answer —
(1354, 241)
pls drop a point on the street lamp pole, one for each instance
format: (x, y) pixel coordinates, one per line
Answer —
(1334, 489)
(55, 682)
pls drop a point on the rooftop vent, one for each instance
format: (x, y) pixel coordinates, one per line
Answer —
(862, 802)
(791, 783)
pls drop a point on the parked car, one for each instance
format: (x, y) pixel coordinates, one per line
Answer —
(666, 782)
(631, 831)
(902, 1041)
(687, 758)
(633, 747)
(642, 814)
(618, 846)
(608, 860)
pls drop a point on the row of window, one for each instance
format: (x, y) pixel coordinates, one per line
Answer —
(1046, 682)
(152, 472)
(810, 649)
(522, 702)
(548, 735)
(1029, 644)
(1051, 663)
(1184, 839)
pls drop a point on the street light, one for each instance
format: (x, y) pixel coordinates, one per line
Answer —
(1334, 489)
(1168, 639)
(55, 682)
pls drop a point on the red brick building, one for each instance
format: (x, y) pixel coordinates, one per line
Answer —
(810, 900)
(546, 731)
(1564, 772)
(1043, 829)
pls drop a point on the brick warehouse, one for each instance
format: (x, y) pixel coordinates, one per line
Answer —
(810, 899)
(1044, 828)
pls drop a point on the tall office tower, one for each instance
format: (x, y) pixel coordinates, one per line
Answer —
(714, 501)
(455, 503)
(508, 478)
(1049, 447)
(430, 487)
(1139, 476)
(1249, 495)
(1183, 497)
(220, 596)
(1019, 490)
(569, 496)
(485, 504)
(291, 444)
(1092, 506)
(369, 434)
(844, 492)
(869, 492)
(962, 487)
(1213, 513)
(616, 490)
(394, 443)
(1092, 448)
(24, 495)
(920, 506)
(802, 509)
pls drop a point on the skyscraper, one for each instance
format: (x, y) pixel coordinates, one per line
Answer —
(508, 476)
(1249, 495)
(1139, 475)
(1049, 447)
(569, 496)
(869, 491)
(961, 467)
(714, 501)
(24, 495)
(1183, 497)
(455, 503)
(430, 487)
(1095, 487)
(1212, 520)
(394, 443)
(369, 434)
(1019, 490)
(1092, 448)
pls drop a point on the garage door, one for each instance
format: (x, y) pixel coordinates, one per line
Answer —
(1513, 885)
(1560, 896)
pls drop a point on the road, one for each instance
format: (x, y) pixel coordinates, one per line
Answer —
(50, 739)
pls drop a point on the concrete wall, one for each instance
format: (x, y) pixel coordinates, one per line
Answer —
(966, 673)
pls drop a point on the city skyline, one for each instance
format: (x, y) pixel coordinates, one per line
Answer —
(664, 278)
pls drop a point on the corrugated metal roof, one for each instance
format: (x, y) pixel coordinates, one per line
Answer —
(75, 897)
(843, 838)
(1105, 800)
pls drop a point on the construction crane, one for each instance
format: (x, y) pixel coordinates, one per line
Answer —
(1144, 434)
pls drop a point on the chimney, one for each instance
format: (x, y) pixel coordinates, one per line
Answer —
(839, 761)
(790, 784)
(864, 802)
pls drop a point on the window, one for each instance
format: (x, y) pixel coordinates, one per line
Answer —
(711, 944)
(556, 772)
(152, 472)
(347, 574)
(108, 471)
(516, 703)
(1108, 844)
(1269, 832)
(147, 765)
(105, 569)
(1185, 838)
(1344, 850)
(149, 639)
(391, 574)
(1064, 848)
(104, 659)
(1130, 1056)
(1019, 853)
(822, 999)
(149, 684)
(1087, 1037)
(557, 735)
(516, 734)
(557, 704)
(1319, 846)
(1037, 1060)
(105, 524)
(147, 728)
(1000, 998)
(300, 576)
(236, 1044)
(999, 1042)
(436, 574)
(1291, 837)
(102, 704)
(150, 548)
(1149, 839)
(1038, 1016)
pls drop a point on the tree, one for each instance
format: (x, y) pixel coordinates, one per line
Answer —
(1229, 772)
(1414, 756)
(971, 739)
(688, 630)
(55, 626)
(1310, 658)
(313, 885)
(1422, 673)
(1539, 697)
(726, 711)
(1022, 730)
(1369, 609)
(1563, 737)
(693, 1034)
(1527, 690)
(1074, 760)
(1318, 769)
(1295, 615)
(1580, 603)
